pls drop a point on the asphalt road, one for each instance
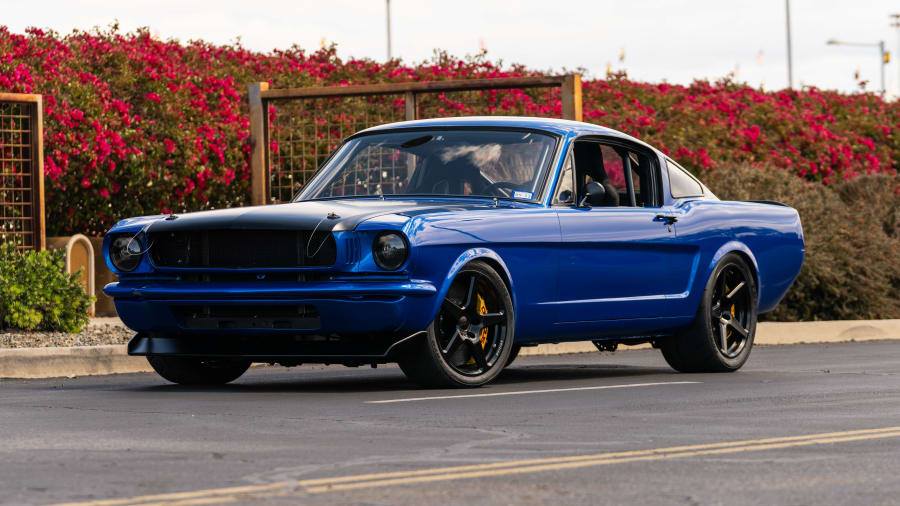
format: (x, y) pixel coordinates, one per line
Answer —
(803, 424)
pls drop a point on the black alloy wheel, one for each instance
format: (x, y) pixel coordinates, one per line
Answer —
(721, 337)
(471, 325)
(470, 340)
(730, 312)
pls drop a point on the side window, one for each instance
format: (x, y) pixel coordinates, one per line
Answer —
(682, 184)
(565, 191)
(613, 165)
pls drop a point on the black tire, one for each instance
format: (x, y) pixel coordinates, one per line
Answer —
(728, 308)
(453, 352)
(513, 353)
(198, 371)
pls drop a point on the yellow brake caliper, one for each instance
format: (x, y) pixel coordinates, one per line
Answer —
(482, 309)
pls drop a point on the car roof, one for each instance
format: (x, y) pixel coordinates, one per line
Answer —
(553, 125)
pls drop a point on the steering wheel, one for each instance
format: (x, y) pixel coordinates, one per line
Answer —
(499, 188)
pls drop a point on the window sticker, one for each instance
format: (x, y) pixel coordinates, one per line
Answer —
(523, 195)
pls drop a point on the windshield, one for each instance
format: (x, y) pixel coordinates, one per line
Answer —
(482, 163)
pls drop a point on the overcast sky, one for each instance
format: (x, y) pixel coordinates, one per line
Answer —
(672, 40)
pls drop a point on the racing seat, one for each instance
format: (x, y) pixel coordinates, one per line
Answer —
(589, 163)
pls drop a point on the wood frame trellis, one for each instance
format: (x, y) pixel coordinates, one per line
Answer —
(260, 97)
(22, 216)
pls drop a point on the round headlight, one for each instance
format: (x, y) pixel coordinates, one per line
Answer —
(390, 250)
(125, 253)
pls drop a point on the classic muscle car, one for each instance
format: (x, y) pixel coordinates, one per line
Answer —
(446, 245)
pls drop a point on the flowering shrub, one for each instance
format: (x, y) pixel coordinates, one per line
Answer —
(819, 135)
(134, 125)
(852, 235)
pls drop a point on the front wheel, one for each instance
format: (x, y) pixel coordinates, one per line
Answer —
(198, 371)
(722, 334)
(469, 342)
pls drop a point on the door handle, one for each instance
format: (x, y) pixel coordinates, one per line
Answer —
(668, 218)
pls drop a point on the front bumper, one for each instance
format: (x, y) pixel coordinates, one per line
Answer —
(162, 309)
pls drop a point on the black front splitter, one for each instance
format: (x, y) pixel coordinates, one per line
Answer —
(354, 350)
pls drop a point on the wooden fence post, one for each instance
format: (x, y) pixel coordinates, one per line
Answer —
(259, 126)
(40, 218)
(412, 111)
(571, 97)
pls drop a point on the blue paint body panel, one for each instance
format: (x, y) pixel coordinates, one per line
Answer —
(574, 273)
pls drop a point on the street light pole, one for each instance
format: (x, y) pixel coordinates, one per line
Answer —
(787, 9)
(896, 24)
(883, 55)
(388, 2)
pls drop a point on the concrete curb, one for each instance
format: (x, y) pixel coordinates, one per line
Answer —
(51, 362)
(772, 334)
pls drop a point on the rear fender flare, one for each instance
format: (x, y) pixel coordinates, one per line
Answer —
(733, 246)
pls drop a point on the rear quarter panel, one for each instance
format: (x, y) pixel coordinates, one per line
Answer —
(769, 236)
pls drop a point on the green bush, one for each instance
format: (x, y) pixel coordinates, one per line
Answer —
(36, 293)
(852, 233)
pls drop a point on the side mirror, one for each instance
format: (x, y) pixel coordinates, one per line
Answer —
(594, 193)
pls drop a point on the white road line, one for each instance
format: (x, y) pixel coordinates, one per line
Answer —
(497, 394)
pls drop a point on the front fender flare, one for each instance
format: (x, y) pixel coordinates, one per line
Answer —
(460, 262)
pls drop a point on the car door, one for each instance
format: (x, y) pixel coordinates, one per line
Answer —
(614, 259)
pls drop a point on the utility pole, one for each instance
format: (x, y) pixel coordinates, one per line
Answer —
(388, 29)
(787, 9)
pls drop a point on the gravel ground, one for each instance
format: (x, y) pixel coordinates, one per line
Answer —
(99, 331)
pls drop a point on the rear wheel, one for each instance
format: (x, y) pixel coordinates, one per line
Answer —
(198, 371)
(722, 334)
(470, 340)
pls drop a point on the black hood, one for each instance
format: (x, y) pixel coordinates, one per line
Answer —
(324, 215)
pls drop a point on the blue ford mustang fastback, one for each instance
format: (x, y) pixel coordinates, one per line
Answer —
(447, 245)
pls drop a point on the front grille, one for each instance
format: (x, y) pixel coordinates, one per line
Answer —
(289, 316)
(242, 248)
(254, 277)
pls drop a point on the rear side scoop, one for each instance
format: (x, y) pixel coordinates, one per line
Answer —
(770, 202)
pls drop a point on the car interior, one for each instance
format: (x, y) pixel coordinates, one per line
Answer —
(621, 171)
(456, 177)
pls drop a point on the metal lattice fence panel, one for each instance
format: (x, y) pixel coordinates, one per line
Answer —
(21, 171)
(543, 102)
(303, 132)
(294, 130)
